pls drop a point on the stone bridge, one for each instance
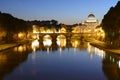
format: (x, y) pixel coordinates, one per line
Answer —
(67, 35)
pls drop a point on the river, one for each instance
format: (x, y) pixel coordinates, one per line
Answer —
(60, 60)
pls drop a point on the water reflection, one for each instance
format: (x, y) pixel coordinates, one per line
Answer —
(47, 42)
(111, 66)
(95, 51)
(102, 65)
(35, 45)
(61, 41)
(119, 63)
(21, 48)
(10, 59)
(75, 43)
(110, 62)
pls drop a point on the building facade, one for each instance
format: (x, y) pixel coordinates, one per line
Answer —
(90, 24)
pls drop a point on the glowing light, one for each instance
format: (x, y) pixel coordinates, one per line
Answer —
(48, 50)
(47, 42)
(90, 50)
(119, 63)
(62, 30)
(20, 48)
(35, 29)
(60, 50)
(76, 29)
(100, 32)
(61, 41)
(35, 44)
(99, 52)
(75, 43)
(21, 35)
(96, 51)
(36, 36)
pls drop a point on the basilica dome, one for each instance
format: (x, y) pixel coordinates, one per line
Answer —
(91, 15)
(91, 18)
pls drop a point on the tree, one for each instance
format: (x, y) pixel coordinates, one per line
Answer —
(111, 20)
(111, 25)
(12, 25)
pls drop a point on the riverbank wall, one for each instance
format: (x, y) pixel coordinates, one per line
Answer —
(6, 46)
(104, 46)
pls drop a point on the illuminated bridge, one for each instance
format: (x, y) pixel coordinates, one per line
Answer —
(67, 35)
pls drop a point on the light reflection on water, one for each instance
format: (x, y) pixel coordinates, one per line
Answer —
(20, 48)
(47, 42)
(61, 41)
(88, 62)
(35, 44)
(95, 51)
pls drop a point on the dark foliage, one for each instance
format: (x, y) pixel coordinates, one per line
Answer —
(47, 23)
(13, 25)
(111, 21)
(111, 26)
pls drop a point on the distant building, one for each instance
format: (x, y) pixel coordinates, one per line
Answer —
(87, 26)
(90, 24)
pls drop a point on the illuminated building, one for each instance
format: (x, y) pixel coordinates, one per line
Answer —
(90, 24)
(62, 30)
(76, 29)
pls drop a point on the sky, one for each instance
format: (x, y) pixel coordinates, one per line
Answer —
(64, 11)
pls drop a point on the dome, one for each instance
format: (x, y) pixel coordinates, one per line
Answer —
(91, 15)
(91, 18)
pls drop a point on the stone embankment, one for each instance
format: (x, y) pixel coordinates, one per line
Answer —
(5, 46)
(104, 46)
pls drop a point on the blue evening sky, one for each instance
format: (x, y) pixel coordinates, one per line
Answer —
(64, 11)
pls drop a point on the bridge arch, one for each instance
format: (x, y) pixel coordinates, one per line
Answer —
(61, 40)
(47, 36)
(47, 40)
(61, 36)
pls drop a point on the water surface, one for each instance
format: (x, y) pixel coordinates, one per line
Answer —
(61, 60)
